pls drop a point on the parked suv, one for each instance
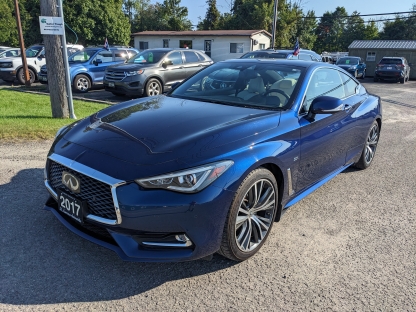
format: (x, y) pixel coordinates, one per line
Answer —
(306, 55)
(153, 71)
(9, 52)
(395, 68)
(87, 67)
(354, 65)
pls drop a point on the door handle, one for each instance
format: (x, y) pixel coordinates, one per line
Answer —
(347, 107)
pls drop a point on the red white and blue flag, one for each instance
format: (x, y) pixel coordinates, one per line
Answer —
(296, 49)
(106, 45)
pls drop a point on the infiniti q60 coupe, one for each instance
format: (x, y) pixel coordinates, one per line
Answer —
(210, 166)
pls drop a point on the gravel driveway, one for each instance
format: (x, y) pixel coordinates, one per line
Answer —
(349, 246)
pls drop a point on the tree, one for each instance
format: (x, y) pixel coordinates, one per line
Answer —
(8, 34)
(402, 28)
(306, 31)
(371, 31)
(354, 30)
(330, 30)
(212, 17)
(173, 16)
(56, 72)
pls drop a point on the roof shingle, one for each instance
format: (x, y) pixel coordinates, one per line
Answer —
(383, 44)
(238, 32)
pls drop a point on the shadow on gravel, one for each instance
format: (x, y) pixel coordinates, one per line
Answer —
(42, 262)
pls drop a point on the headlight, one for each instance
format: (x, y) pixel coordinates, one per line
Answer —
(188, 181)
(6, 65)
(351, 68)
(135, 72)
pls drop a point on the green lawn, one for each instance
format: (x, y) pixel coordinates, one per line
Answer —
(26, 116)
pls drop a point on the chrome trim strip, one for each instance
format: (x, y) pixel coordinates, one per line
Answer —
(289, 181)
(186, 244)
(94, 174)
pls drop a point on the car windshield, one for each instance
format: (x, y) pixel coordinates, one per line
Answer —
(347, 61)
(391, 61)
(149, 57)
(33, 51)
(266, 85)
(82, 56)
(278, 55)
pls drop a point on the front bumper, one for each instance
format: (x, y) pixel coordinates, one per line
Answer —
(43, 78)
(7, 74)
(128, 86)
(151, 219)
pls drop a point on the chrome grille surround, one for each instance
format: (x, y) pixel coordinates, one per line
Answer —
(115, 76)
(95, 193)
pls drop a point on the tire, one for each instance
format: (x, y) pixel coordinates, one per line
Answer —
(21, 76)
(153, 87)
(402, 79)
(370, 147)
(245, 229)
(82, 84)
(356, 74)
(375, 79)
(363, 75)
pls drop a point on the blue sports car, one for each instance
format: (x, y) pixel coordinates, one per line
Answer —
(210, 166)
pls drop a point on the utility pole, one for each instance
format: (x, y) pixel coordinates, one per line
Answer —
(55, 65)
(22, 44)
(274, 23)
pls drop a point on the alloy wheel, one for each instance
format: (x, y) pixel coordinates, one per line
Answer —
(255, 215)
(82, 84)
(371, 143)
(153, 88)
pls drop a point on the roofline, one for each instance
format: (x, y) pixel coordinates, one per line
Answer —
(196, 33)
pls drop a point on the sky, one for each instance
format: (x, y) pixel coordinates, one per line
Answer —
(198, 8)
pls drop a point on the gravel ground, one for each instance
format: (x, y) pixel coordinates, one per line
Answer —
(349, 246)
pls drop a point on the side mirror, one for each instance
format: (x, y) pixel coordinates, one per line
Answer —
(41, 56)
(325, 105)
(166, 63)
(96, 62)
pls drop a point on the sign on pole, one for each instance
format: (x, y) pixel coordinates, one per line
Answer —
(51, 25)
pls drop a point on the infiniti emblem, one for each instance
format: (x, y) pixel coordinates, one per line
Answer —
(71, 182)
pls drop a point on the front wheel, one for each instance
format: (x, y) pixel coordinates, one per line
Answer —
(251, 216)
(363, 75)
(21, 76)
(402, 80)
(153, 87)
(82, 83)
(370, 147)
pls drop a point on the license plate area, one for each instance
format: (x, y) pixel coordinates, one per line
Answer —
(71, 206)
(389, 67)
(111, 84)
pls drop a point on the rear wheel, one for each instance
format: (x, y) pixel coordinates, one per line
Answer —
(251, 216)
(370, 147)
(402, 80)
(21, 76)
(82, 83)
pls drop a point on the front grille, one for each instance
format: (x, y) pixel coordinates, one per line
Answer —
(114, 76)
(96, 193)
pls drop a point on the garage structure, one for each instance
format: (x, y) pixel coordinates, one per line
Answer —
(218, 44)
(372, 51)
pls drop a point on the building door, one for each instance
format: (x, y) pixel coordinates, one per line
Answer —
(207, 47)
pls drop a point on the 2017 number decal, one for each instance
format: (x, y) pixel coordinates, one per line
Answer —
(66, 204)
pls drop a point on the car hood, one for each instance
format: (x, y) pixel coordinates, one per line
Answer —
(346, 66)
(129, 66)
(160, 129)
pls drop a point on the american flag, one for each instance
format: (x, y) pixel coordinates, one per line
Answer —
(296, 49)
(106, 45)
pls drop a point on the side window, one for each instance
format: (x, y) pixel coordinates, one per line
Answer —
(175, 57)
(324, 82)
(131, 53)
(350, 86)
(120, 55)
(305, 57)
(190, 57)
(105, 56)
(201, 57)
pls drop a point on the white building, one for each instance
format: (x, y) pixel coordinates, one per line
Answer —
(218, 44)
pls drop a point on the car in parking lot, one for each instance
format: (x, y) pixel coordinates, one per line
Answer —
(304, 54)
(201, 170)
(9, 52)
(392, 68)
(87, 67)
(354, 65)
(154, 71)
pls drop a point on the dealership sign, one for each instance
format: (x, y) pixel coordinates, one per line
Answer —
(51, 25)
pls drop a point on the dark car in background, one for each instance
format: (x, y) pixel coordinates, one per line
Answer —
(181, 176)
(154, 71)
(305, 55)
(354, 65)
(392, 68)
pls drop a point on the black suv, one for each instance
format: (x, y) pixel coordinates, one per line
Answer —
(153, 71)
(306, 55)
(393, 68)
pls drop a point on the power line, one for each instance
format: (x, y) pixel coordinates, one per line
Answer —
(396, 13)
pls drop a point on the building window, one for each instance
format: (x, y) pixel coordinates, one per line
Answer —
(166, 43)
(262, 46)
(143, 45)
(236, 47)
(185, 44)
(371, 56)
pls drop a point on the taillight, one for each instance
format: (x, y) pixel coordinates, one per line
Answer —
(400, 65)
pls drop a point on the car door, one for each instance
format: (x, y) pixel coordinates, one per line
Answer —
(325, 139)
(99, 63)
(192, 63)
(173, 69)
